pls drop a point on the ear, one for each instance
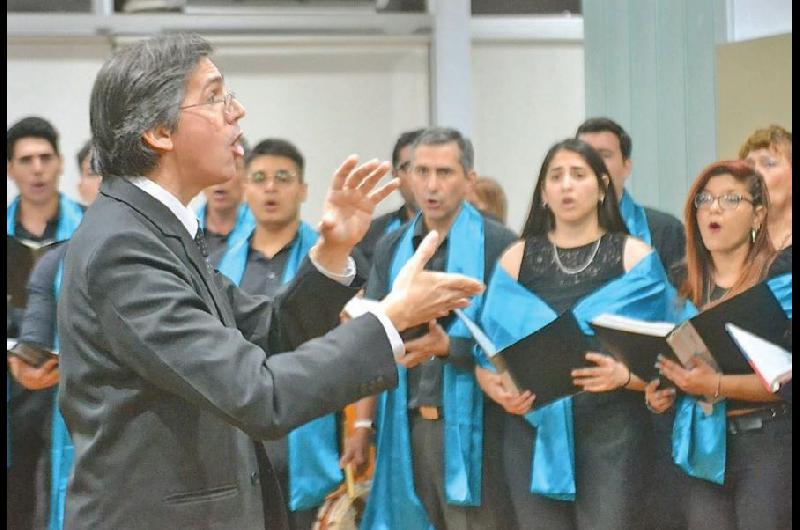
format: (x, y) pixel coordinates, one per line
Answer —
(471, 177)
(606, 182)
(628, 166)
(304, 192)
(9, 165)
(758, 216)
(158, 138)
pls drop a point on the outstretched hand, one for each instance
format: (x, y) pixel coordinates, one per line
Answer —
(419, 296)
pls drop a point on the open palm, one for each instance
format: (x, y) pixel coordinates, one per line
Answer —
(351, 201)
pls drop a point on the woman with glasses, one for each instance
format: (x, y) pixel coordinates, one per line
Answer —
(741, 469)
(577, 462)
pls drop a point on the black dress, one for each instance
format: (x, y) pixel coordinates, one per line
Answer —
(610, 427)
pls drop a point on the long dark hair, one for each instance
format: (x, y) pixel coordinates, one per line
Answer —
(698, 259)
(541, 219)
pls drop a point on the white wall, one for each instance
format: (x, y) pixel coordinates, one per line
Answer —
(527, 96)
(334, 96)
(330, 96)
(751, 19)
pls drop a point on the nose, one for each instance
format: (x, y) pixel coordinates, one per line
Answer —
(236, 112)
(37, 164)
(715, 205)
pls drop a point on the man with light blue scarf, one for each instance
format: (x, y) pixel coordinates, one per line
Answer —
(437, 446)
(38, 216)
(662, 231)
(307, 460)
(224, 218)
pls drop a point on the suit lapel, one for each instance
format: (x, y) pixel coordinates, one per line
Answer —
(168, 228)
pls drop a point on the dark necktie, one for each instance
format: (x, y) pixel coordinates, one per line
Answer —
(200, 239)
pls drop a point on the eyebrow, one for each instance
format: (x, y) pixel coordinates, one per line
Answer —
(210, 81)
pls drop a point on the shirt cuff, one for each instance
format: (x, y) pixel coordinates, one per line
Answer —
(358, 306)
(345, 279)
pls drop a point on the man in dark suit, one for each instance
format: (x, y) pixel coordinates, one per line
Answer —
(167, 378)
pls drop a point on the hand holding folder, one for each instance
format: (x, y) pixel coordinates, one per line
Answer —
(638, 343)
(543, 361)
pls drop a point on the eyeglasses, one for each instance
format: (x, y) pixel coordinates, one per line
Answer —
(281, 177)
(729, 201)
(226, 100)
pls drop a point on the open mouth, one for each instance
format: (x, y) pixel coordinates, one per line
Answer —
(714, 227)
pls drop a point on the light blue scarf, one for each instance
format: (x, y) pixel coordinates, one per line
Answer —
(245, 223)
(512, 312)
(313, 448)
(62, 451)
(699, 440)
(635, 218)
(393, 503)
(69, 217)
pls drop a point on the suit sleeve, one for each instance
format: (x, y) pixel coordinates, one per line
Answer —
(157, 325)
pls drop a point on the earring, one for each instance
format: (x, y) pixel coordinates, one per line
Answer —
(544, 204)
(753, 235)
(602, 198)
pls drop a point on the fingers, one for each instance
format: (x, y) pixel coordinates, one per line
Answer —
(410, 360)
(599, 358)
(358, 175)
(371, 180)
(384, 191)
(425, 251)
(344, 170)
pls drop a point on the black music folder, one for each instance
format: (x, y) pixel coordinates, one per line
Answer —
(542, 361)
(637, 343)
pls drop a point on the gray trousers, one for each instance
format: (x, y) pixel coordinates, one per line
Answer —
(427, 442)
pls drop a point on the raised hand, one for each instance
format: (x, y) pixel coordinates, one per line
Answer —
(348, 208)
(419, 296)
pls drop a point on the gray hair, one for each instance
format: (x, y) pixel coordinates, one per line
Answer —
(139, 88)
(445, 135)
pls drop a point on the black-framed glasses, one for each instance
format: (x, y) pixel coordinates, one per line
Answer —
(281, 177)
(728, 201)
(226, 100)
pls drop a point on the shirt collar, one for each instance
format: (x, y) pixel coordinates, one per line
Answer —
(185, 215)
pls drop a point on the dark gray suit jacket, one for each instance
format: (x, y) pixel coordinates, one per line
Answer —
(165, 383)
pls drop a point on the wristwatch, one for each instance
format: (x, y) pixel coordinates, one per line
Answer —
(364, 424)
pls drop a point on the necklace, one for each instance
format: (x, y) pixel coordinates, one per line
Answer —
(582, 268)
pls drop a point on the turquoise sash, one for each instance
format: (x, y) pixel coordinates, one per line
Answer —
(511, 312)
(62, 450)
(393, 225)
(699, 440)
(69, 217)
(634, 217)
(245, 223)
(393, 503)
(313, 448)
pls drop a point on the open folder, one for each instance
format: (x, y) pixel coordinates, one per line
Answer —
(542, 361)
(772, 363)
(637, 343)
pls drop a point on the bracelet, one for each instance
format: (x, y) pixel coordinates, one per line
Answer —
(719, 384)
(364, 424)
(626, 383)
